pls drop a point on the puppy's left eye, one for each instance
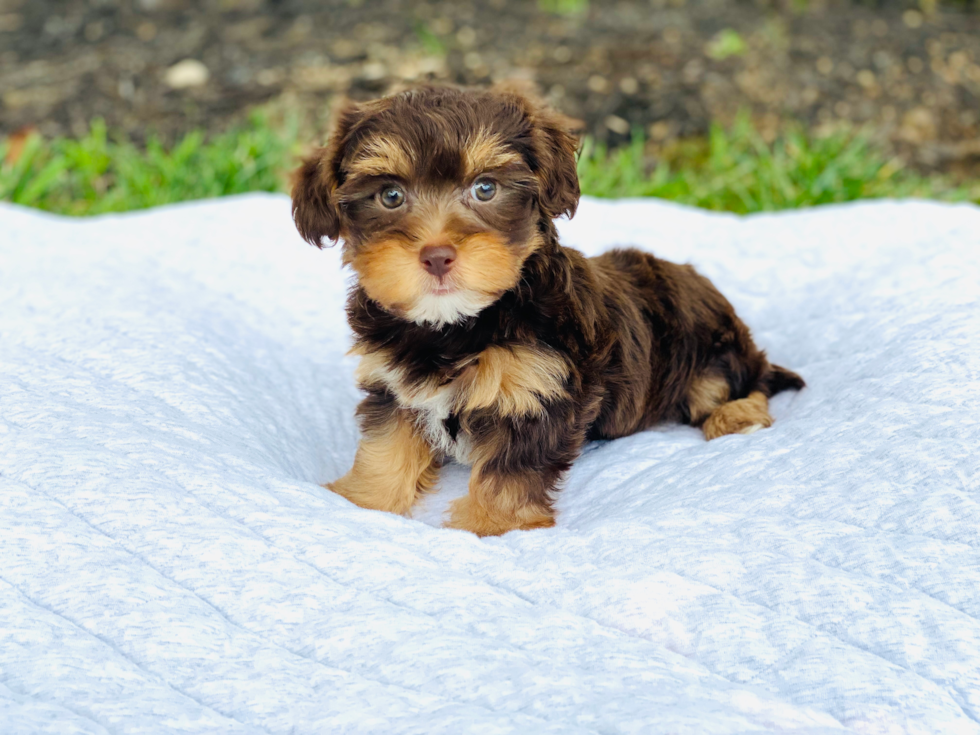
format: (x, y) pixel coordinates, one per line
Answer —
(484, 190)
(392, 197)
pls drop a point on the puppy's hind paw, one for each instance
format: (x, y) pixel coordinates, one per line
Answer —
(744, 416)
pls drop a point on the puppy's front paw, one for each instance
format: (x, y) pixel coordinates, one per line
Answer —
(375, 496)
(468, 515)
(393, 463)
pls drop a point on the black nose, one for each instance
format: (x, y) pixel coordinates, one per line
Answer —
(438, 259)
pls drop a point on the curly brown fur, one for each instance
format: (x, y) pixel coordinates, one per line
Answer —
(480, 336)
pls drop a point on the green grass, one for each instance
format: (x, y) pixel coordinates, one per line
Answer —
(430, 42)
(95, 174)
(725, 44)
(734, 170)
(731, 170)
(564, 7)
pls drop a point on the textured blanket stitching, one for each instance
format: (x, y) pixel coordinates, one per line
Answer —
(134, 662)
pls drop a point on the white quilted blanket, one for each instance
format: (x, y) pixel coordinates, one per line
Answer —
(173, 388)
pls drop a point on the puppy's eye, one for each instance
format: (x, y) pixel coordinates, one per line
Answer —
(392, 197)
(484, 190)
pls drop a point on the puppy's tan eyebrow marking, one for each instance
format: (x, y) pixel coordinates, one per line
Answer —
(381, 156)
(485, 151)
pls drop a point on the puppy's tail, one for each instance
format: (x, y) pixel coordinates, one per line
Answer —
(777, 379)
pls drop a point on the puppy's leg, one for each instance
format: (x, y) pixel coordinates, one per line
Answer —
(517, 463)
(502, 502)
(707, 392)
(394, 463)
(709, 407)
(744, 416)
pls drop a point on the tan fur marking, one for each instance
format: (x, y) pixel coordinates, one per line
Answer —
(390, 469)
(376, 368)
(486, 152)
(380, 156)
(495, 506)
(743, 416)
(390, 272)
(706, 394)
(513, 380)
(487, 264)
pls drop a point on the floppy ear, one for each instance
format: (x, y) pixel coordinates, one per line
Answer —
(315, 210)
(315, 214)
(555, 151)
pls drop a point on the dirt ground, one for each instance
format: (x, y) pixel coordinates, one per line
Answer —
(668, 67)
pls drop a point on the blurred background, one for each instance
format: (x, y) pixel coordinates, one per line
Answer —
(878, 98)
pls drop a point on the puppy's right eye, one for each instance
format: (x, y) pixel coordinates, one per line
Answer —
(392, 197)
(484, 190)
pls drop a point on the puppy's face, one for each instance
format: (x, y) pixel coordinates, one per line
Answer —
(439, 195)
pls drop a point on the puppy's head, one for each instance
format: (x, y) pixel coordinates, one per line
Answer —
(439, 195)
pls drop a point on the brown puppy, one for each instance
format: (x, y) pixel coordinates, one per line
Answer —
(480, 336)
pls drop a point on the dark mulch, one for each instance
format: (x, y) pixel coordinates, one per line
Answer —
(668, 67)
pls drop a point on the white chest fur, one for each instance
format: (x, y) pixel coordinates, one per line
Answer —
(434, 409)
(432, 402)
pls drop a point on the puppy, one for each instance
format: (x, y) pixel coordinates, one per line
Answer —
(482, 338)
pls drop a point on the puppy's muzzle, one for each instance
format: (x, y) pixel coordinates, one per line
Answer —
(437, 260)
